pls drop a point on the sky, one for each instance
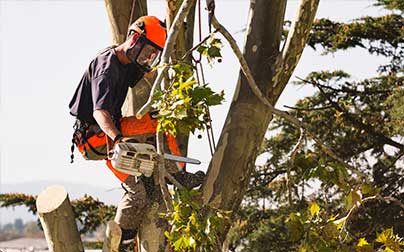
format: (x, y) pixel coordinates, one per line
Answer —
(45, 47)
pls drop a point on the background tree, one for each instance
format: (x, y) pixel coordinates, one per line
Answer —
(334, 115)
(359, 120)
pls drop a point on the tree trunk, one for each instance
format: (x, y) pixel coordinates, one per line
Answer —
(57, 219)
(151, 233)
(248, 118)
(247, 121)
(112, 238)
(120, 14)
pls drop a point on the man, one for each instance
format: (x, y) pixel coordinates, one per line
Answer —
(97, 106)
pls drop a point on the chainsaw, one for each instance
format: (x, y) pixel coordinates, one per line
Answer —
(140, 158)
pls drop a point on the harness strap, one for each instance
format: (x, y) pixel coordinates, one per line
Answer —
(72, 150)
(83, 129)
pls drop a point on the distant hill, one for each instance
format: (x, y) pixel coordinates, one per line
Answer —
(107, 195)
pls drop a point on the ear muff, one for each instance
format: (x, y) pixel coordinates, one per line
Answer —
(134, 37)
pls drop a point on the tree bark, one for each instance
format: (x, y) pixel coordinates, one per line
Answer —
(248, 118)
(119, 13)
(151, 234)
(294, 45)
(57, 220)
(237, 146)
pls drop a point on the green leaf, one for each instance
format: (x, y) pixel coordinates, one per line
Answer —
(214, 52)
(180, 243)
(215, 99)
(201, 92)
(314, 209)
(202, 50)
(295, 227)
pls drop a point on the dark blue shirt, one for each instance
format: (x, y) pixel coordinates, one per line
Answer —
(104, 85)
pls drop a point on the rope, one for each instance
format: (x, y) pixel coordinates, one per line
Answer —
(200, 76)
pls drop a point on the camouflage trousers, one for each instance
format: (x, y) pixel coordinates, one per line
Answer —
(132, 206)
(138, 192)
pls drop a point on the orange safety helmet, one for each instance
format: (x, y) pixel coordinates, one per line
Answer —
(150, 38)
(152, 28)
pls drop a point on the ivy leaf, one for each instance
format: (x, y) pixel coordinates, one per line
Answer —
(201, 92)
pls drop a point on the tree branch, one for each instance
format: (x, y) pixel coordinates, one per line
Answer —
(307, 109)
(291, 165)
(254, 87)
(197, 45)
(358, 123)
(295, 43)
(168, 48)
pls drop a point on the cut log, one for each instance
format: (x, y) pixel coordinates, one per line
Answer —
(57, 219)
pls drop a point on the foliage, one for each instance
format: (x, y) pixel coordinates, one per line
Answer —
(316, 230)
(194, 227)
(18, 199)
(395, 104)
(184, 105)
(379, 35)
(323, 204)
(391, 4)
(90, 212)
(211, 50)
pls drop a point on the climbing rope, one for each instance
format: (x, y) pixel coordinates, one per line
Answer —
(200, 76)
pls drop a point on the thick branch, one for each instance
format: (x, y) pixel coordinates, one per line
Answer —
(168, 48)
(295, 43)
(119, 16)
(254, 87)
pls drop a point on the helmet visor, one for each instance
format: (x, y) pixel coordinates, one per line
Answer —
(145, 53)
(148, 56)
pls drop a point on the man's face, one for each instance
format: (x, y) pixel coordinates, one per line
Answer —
(143, 53)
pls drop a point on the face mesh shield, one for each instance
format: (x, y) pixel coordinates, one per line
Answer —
(149, 56)
(144, 53)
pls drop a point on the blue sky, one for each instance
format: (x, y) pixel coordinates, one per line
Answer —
(45, 47)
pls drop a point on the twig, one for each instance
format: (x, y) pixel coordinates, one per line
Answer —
(197, 45)
(291, 165)
(358, 123)
(307, 109)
